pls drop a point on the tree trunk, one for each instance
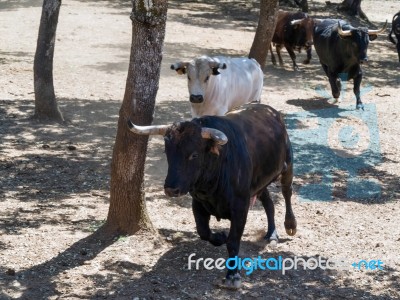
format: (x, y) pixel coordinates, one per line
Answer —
(353, 8)
(303, 4)
(127, 212)
(265, 31)
(46, 107)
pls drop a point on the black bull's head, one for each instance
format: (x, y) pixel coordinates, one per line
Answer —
(186, 143)
(360, 37)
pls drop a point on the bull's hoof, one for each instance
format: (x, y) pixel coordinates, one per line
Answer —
(218, 238)
(273, 244)
(272, 237)
(291, 232)
(306, 61)
(290, 226)
(360, 105)
(232, 282)
(334, 101)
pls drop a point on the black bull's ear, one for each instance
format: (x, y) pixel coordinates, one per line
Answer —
(215, 69)
(215, 148)
(373, 37)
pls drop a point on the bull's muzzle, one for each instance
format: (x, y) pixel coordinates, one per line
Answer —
(196, 98)
(172, 192)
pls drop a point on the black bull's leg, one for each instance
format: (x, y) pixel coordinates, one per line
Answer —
(202, 219)
(356, 89)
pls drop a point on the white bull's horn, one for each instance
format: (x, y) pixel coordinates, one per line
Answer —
(218, 136)
(217, 64)
(148, 130)
(295, 22)
(342, 32)
(378, 31)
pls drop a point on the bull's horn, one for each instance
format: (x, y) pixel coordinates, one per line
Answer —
(378, 31)
(179, 65)
(342, 32)
(295, 22)
(217, 64)
(148, 130)
(218, 136)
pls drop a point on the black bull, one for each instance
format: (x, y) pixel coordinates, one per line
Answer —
(225, 161)
(341, 49)
(396, 31)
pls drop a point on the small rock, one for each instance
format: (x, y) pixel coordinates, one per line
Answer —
(45, 146)
(71, 147)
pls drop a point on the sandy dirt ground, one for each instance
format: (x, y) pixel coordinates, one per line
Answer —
(54, 179)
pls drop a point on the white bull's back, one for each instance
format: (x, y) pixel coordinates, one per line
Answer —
(241, 82)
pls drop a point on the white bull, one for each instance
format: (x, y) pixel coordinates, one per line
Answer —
(218, 84)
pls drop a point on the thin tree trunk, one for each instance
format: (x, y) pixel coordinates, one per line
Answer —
(265, 31)
(303, 4)
(353, 8)
(127, 213)
(46, 107)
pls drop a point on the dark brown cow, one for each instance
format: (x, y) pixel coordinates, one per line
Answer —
(294, 31)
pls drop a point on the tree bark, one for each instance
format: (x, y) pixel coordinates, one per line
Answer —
(46, 107)
(127, 212)
(303, 4)
(265, 31)
(353, 8)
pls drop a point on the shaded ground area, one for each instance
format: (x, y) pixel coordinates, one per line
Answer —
(54, 179)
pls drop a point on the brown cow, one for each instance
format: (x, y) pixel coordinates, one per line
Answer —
(294, 31)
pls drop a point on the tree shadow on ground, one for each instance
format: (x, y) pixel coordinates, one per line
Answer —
(266, 284)
(42, 274)
(339, 147)
(170, 277)
(117, 4)
(56, 162)
(16, 4)
(242, 14)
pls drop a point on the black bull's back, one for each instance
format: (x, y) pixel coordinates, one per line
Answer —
(257, 152)
(267, 142)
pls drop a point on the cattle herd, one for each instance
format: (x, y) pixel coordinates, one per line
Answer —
(235, 147)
